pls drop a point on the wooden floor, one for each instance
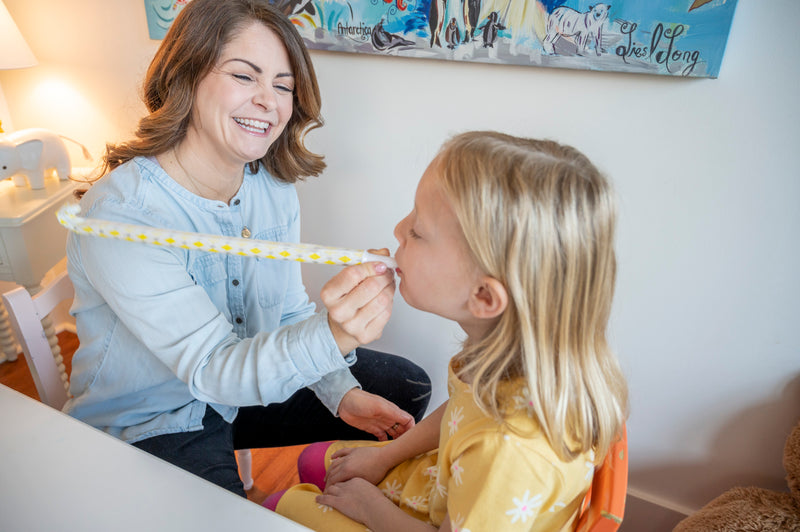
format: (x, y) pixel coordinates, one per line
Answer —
(273, 469)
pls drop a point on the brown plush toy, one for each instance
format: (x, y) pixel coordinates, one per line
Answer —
(754, 509)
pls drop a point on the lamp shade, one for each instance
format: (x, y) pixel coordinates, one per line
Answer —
(14, 51)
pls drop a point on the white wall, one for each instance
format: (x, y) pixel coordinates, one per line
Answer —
(706, 313)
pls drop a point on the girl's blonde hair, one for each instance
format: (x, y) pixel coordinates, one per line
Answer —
(187, 54)
(539, 217)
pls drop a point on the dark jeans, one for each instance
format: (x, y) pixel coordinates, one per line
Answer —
(209, 453)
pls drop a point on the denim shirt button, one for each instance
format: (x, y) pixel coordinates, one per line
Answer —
(239, 320)
(235, 282)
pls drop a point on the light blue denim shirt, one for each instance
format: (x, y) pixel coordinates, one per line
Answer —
(165, 331)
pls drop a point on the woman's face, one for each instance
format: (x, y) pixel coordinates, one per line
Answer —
(245, 101)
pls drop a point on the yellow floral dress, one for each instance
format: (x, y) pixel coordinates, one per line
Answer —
(487, 475)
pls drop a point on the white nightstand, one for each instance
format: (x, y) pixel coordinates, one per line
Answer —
(31, 240)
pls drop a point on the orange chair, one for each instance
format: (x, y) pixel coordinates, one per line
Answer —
(604, 505)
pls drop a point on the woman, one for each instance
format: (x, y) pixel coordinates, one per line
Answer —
(172, 340)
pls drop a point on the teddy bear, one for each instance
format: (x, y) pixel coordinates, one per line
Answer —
(754, 509)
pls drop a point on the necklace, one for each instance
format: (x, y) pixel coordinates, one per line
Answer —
(245, 230)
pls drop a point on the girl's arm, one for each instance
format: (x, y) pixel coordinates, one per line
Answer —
(372, 463)
(361, 501)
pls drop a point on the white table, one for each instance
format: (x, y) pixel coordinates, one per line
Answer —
(57, 473)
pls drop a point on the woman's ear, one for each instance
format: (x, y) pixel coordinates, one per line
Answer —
(489, 298)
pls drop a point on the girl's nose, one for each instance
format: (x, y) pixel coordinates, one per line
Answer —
(398, 231)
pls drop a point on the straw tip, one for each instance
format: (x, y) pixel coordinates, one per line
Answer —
(388, 261)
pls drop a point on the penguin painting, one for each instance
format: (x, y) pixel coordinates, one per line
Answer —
(490, 29)
(472, 11)
(452, 35)
(436, 20)
(383, 40)
(295, 7)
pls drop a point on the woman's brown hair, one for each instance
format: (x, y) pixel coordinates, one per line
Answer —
(187, 54)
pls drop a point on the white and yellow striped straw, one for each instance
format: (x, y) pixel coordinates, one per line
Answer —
(246, 247)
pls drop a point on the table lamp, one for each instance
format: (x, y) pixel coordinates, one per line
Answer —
(27, 217)
(15, 54)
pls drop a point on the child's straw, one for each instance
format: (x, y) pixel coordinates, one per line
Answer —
(68, 217)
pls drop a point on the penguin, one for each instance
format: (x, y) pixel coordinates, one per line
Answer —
(383, 40)
(295, 7)
(436, 20)
(472, 11)
(452, 35)
(490, 29)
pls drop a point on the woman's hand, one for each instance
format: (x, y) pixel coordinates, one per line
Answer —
(352, 462)
(374, 414)
(359, 302)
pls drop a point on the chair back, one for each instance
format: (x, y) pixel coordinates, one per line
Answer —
(603, 507)
(25, 313)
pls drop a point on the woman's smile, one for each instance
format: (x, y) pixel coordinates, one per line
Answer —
(254, 126)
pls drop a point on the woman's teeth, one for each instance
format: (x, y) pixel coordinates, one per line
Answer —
(256, 126)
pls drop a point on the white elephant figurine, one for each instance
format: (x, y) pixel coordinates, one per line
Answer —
(30, 153)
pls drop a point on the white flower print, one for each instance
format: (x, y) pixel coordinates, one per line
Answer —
(441, 489)
(590, 472)
(324, 508)
(455, 471)
(393, 490)
(432, 475)
(557, 506)
(417, 503)
(590, 465)
(455, 524)
(523, 400)
(455, 418)
(524, 507)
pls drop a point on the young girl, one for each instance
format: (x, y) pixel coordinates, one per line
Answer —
(513, 239)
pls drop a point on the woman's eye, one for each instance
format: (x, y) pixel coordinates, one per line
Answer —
(242, 77)
(285, 88)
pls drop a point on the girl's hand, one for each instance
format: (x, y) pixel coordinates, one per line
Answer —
(357, 499)
(374, 414)
(359, 302)
(352, 462)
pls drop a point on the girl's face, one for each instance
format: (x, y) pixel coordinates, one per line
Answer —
(245, 101)
(436, 270)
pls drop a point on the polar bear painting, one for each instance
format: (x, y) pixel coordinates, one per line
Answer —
(582, 27)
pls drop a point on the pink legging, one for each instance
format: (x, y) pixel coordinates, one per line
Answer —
(310, 468)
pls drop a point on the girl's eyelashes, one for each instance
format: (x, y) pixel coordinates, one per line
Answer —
(413, 234)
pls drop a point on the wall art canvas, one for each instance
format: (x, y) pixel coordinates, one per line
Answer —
(669, 37)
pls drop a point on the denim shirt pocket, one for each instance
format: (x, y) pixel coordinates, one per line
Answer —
(272, 275)
(209, 271)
